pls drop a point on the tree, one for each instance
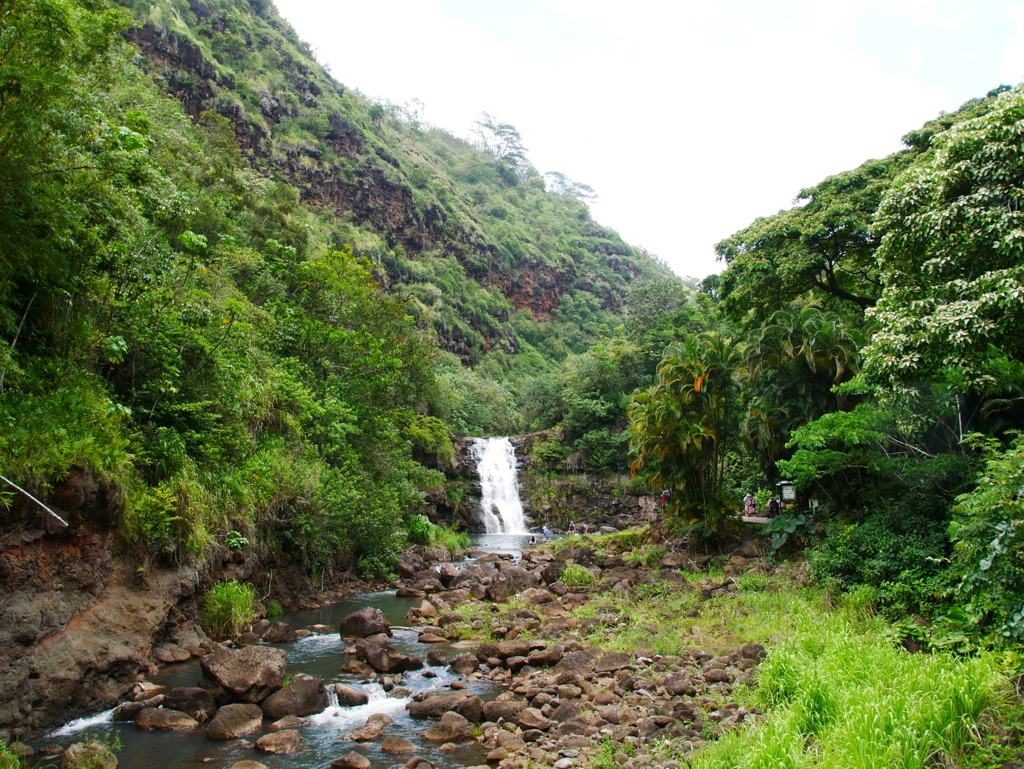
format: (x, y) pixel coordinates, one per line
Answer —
(560, 184)
(792, 365)
(503, 142)
(952, 256)
(682, 427)
(823, 247)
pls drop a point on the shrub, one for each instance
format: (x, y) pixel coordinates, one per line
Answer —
(229, 608)
(7, 759)
(421, 531)
(575, 575)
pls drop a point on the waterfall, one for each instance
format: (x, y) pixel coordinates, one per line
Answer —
(501, 510)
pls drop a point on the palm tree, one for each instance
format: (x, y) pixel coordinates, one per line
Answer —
(792, 365)
(682, 426)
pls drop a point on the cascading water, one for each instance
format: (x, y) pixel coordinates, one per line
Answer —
(501, 510)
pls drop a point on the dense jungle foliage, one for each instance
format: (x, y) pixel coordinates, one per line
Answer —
(232, 363)
(869, 351)
(244, 297)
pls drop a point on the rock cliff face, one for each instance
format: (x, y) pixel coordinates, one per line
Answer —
(350, 170)
(77, 623)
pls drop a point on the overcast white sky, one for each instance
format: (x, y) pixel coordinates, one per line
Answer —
(690, 119)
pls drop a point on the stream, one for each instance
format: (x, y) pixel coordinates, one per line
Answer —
(317, 655)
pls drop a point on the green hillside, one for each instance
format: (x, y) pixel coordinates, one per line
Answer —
(238, 295)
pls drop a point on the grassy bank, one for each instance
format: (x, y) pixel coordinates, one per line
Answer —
(837, 689)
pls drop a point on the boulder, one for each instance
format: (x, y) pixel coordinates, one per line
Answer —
(129, 711)
(612, 662)
(192, 700)
(247, 639)
(565, 712)
(246, 675)
(383, 659)
(448, 573)
(715, 676)
(464, 664)
(472, 708)
(365, 622)
(510, 581)
(164, 720)
(678, 684)
(280, 743)
(577, 662)
(280, 633)
(289, 722)
(536, 596)
(302, 697)
(351, 760)
(506, 709)
(349, 696)
(532, 718)
(396, 746)
(452, 727)
(546, 657)
(515, 648)
(552, 572)
(248, 765)
(234, 721)
(372, 729)
(356, 668)
(753, 651)
(436, 705)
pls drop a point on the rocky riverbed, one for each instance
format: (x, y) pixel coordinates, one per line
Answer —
(525, 625)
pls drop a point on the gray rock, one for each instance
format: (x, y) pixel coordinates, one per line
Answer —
(350, 696)
(247, 675)
(396, 746)
(436, 705)
(280, 633)
(192, 700)
(383, 659)
(280, 743)
(451, 728)
(464, 664)
(234, 721)
(302, 697)
(164, 720)
(289, 722)
(506, 709)
(510, 581)
(351, 760)
(365, 622)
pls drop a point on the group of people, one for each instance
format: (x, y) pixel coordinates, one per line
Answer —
(546, 532)
(750, 506)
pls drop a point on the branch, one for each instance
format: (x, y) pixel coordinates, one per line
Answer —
(64, 524)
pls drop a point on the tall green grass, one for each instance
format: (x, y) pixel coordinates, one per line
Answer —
(421, 531)
(229, 608)
(841, 696)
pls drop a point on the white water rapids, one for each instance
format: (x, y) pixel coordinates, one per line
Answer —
(501, 510)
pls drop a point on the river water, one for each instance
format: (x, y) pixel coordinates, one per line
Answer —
(317, 655)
